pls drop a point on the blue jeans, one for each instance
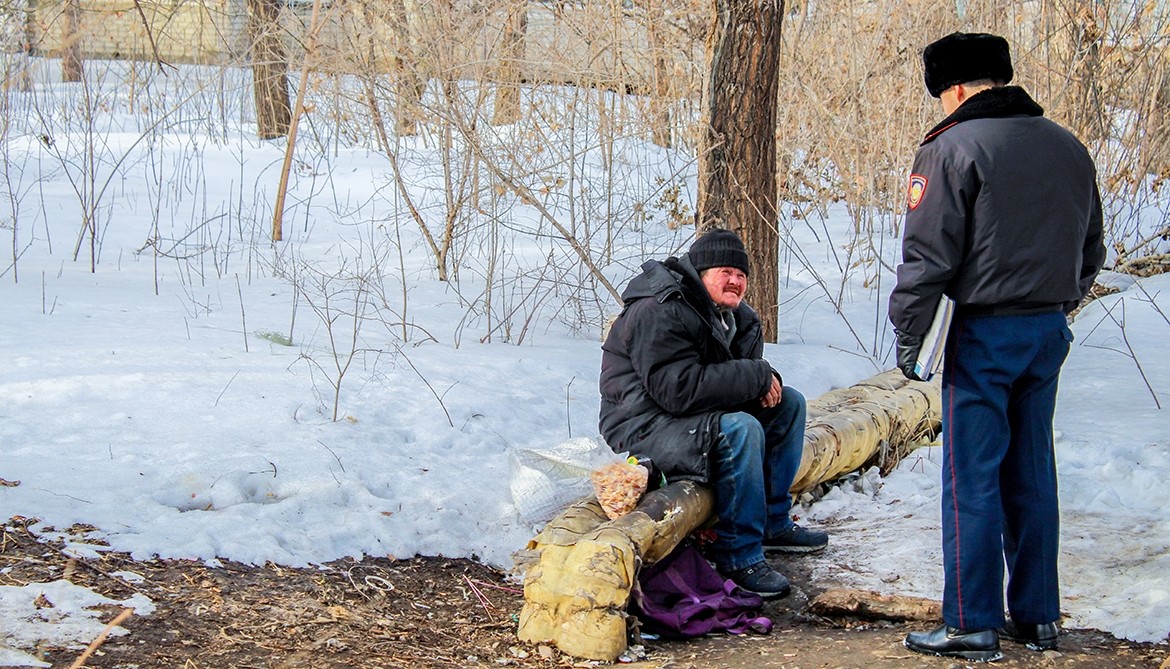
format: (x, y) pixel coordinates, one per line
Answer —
(752, 468)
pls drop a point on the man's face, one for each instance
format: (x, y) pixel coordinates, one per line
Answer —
(725, 285)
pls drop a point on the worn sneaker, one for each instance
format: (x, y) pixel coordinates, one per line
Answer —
(761, 579)
(797, 539)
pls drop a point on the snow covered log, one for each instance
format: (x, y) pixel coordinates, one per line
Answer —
(875, 421)
(575, 596)
(581, 567)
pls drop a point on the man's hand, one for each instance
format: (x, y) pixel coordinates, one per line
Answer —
(908, 346)
(772, 397)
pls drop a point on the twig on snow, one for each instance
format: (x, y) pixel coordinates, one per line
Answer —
(1132, 355)
(101, 638)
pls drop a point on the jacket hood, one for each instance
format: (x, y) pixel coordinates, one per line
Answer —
(662, 279)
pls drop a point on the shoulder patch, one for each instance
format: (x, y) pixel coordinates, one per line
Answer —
(917, 190)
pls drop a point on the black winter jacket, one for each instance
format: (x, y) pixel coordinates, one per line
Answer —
(668, 371)
(1004, 215)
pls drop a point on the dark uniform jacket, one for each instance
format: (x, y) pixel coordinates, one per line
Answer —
(670, 369)
(1004, 215)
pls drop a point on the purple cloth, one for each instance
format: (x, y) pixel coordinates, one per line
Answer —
(682, 596)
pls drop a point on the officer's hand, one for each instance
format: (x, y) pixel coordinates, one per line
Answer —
(908, 346)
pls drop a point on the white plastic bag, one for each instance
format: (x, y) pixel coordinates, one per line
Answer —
(546, 480)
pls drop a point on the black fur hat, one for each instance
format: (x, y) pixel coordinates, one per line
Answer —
(962, 57)
(719, 248)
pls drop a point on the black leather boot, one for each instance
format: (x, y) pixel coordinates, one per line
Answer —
(1036, 637)
(976, 645)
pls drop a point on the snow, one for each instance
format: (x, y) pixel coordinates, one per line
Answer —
(71, 616)
(180, 425)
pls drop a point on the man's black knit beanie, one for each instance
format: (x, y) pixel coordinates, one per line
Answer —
(962, 57)
(719, 248)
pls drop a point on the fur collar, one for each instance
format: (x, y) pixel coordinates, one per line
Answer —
(992, 103)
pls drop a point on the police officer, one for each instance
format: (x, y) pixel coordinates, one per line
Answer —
(1004, 216)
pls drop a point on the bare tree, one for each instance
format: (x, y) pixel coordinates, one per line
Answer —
(1086, 34)
(1155, 142)
(71, 69)
(660, 111)
(407, 20)
(507, 106)
(341, 300)
(737, 164)
(369, 13)
(269, 69)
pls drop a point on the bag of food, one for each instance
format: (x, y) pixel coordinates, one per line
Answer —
(619, 486)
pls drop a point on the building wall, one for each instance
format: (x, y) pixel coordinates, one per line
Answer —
(184, 31)
(580, 43)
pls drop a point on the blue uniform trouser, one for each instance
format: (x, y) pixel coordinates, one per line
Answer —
(753, 465)
(999, 498)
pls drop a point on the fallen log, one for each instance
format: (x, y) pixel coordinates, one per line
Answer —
(876, 421)
(873, 606)
(580, 569)
(575, 596)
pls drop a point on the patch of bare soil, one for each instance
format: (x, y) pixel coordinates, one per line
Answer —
(439, 613)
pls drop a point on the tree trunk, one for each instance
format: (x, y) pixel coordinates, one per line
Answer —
(29, 46)
(412, 79)
(1089, 118)
(290, 143)
(269, 69)
(737, 164)
(659, 97)
(369, 11)
(71, 69)
(507, 104)
(1155, 141)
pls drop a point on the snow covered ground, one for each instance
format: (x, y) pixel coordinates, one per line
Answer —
(183, 403)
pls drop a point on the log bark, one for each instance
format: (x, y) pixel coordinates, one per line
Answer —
(873, 606)
(873, 422)
(575, 596)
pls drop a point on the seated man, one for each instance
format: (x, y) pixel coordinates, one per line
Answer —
(684, 383)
